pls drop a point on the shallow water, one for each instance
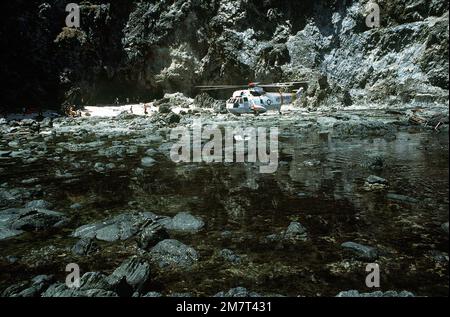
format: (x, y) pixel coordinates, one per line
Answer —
(319, 183)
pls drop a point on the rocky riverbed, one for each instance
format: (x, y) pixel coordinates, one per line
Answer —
(352, 188)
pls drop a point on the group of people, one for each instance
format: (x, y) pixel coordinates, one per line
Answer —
(146, 107)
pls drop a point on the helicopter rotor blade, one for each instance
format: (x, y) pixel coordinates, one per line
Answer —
(220, 87)
(281, 85)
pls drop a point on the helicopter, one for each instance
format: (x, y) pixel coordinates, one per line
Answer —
(256, 100)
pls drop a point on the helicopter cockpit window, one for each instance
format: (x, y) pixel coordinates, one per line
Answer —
(240, 100)
(245, 99)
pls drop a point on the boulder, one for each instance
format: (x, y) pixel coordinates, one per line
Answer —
(85, 246)
(14, 221)
(121, 227)
(372, 179)
(135, 272)
(184, 222)
(173, 254)
(148, 162)
(374, 183)
(32, 288)
(151, 235)
(6, 233)
(296, 231)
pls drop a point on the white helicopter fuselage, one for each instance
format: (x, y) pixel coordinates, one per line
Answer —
(256, 101)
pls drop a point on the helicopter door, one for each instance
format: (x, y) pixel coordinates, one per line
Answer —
(246, 103)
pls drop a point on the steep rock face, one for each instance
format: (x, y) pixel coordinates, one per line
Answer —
(144, 49)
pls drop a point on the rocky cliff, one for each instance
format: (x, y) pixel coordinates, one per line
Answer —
(143, 49)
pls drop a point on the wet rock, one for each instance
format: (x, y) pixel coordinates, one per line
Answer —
(12, 259)
(5, 153)
(151, 235)
(61, 290)
(362, 251)
(76, 206)
(230, 256)
(119, 151)
(165, 109)
(94, 280)
(180, 295)
(153, 294)
(173, 118)
(354, 293)
(32, 288)
(184, 222)
(85, 246)
(439, 257)
(173, 254)
(296, 231)
(148, 162)
(14, 196)
(99, 167)
(135, 272)
(401, 198)
(15, 220)
(444, 227)
(237, 292)
(121, 227)
(6, 233)
(374, 183)
(39, 204)
(311, 163)
(372, 179)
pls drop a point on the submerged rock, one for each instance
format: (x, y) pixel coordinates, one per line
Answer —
(362, 251)
(174, 254)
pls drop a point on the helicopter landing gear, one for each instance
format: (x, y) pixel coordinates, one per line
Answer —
(256, 113)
